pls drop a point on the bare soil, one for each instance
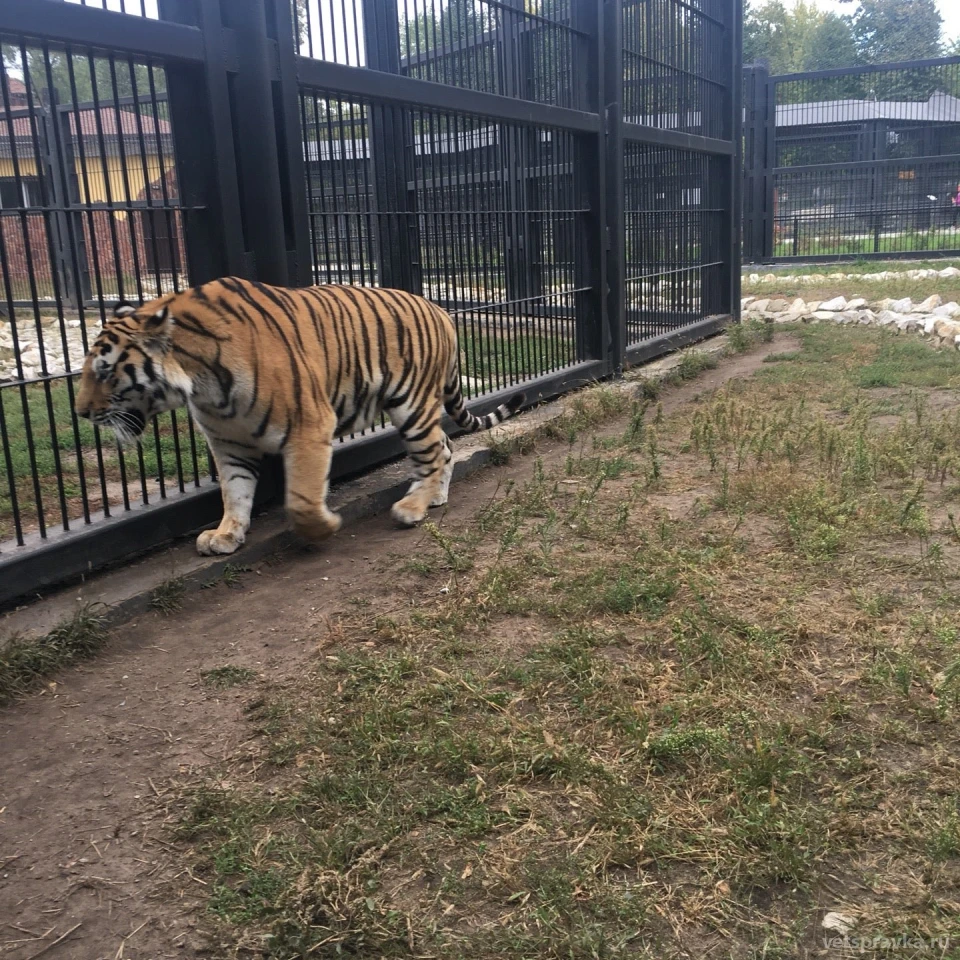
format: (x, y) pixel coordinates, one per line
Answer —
(87, 846)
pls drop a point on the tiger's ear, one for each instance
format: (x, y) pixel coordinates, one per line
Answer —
(158, 325)
(123, 309)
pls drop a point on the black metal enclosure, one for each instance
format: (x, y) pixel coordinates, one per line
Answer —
(561, 175)
(860, 162)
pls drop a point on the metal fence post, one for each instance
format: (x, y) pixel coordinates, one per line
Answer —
(390, 126)
(290, 144)
(757, 199)
(199, 104)
(258, 158)
(734, 226)
(590, 246)
(615, 194)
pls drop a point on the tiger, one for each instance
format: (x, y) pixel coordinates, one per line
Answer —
(273, 370)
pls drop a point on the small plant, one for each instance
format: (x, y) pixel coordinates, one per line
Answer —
(168, 597)
(26, 662)
(457, 561)
(738, 338)
(220, 678)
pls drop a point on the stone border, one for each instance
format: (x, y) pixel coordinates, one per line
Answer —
(813, 279)
(932, 318)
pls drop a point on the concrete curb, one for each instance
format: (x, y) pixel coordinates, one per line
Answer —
(126, 591)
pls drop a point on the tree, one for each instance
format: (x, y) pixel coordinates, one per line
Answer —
(78, 74)
(888, 31)
(804, 38)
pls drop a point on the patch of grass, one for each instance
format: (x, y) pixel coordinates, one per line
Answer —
(26, 662)
(45, 437)
(692, 668)
(220, 678)
(168, 597)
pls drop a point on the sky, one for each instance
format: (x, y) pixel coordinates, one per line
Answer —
(949, 11)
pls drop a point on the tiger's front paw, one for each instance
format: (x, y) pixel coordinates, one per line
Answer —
(315, 526)
(212, 543)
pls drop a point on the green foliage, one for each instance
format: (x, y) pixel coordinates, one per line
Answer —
(78, 78)
(797, 39)
(25, 663)
(888, 31)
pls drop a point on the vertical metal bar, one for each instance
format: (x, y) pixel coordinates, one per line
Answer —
(613, 115)
(290, 140)
(733, 49)
(388, 136)
(769, 179)
(255, 124)
(590, 165)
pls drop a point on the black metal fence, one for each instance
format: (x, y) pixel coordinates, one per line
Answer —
(852, 163)
(561, 175)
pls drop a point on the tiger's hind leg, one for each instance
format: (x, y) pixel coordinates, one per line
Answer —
(429, 449)
(306, 462)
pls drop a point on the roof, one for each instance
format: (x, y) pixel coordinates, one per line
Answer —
(90, 128)
(940, 108)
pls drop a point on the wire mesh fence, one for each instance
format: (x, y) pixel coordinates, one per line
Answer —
(459, 149)
(859, 162)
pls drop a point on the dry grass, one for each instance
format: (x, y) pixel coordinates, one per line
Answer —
(871, 290)
(692, 681)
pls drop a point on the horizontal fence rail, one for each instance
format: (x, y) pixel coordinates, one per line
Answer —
(558, 175)
(861, 162)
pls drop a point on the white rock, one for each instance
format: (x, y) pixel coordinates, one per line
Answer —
(880, 305)
(823, 315)
(30, 357)
(902, 306)
(908, 324)
(886, 317)
(866, 317)
(73, 323)
(837, 303)
(946, 329)
(777, 306)
(847, 316)
(857, 303)
(838, 923)
(754, 278)
(951, 309)
(798, 306)
(770, 278)
(758, 306)
(746, 301)
(914, 275)
(930, 304)
(929, 323)
(813, 305)
(949, 272)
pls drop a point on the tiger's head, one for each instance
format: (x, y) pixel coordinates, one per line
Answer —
(122, 385)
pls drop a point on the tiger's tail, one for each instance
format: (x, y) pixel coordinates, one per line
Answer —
(454, 405)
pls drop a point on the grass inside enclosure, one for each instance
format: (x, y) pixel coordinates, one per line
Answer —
(489, 362)
(825, 288)
(28, 413)
(688, 682)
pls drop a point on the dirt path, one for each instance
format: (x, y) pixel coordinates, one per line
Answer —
(88, 767)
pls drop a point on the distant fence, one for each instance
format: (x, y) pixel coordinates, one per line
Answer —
(851, 163)
(561, 175)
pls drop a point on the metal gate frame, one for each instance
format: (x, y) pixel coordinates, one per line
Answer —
(244, 50)
(761, 173)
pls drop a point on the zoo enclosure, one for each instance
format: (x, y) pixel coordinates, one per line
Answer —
(851, 163)
(562, 175)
